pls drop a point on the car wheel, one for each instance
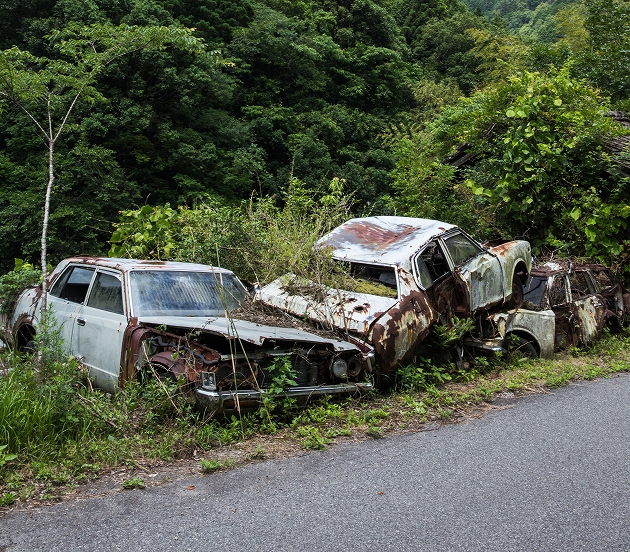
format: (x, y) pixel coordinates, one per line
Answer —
(516, 301)
(522, 347)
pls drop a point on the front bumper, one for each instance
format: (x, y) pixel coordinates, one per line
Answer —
(249, 399)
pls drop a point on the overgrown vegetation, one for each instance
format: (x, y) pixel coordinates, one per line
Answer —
(13, 283)
(57, 432)
(258, 239)
(322, 111)
(314, 91)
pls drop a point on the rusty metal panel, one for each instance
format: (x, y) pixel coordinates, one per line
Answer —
(541, 325)
(485, 280)
(245, 331)
(349, 311)
(588, 318)
(398, 332)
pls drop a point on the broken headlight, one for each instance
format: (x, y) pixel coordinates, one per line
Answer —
(340, 368)
(209, 381)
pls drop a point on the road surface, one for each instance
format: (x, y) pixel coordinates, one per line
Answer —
(550, 472)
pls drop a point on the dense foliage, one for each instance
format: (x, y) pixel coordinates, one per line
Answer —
(374, 93)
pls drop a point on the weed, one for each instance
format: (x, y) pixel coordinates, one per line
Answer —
(375, 432)
(275, 401)
(338, 432)
(374, 415)
(258, 453)
(133, 483)
(413, 406)
(4, 457)
(6, 499)
(312, 438)
(210, 466)
(422, 375)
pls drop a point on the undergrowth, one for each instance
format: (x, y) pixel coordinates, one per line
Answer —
(57, 432)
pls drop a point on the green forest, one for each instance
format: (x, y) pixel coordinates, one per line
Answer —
(217, 109)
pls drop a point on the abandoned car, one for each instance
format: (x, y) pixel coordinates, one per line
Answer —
(122, 316)
(565, 304)
(424, 271)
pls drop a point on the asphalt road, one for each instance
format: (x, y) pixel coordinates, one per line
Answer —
(551, 472)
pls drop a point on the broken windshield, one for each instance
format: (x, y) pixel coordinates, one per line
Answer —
(179, 293)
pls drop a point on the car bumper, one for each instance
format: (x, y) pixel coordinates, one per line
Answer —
(249, 399)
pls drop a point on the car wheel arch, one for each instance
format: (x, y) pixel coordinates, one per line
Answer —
(519, 278)
(524, 338)
(23, 336)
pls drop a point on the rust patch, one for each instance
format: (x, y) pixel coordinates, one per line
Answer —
(376, 236)
(406, 327)
(502, 248)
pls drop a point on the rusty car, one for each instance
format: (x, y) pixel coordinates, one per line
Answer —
(123, 317)
(425, 272)
(566, 304)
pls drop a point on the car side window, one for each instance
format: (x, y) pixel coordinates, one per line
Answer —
(106, 293)
(73, 284)
(434, 262)
(604, 278)
(422, 273)
(558, 292)
(580, 286)
(534, 291)
(461, 248)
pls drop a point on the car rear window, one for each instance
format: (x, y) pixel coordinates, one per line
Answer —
(180, 293)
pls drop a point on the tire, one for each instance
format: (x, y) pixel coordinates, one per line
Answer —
(522, 347)
(516, 301)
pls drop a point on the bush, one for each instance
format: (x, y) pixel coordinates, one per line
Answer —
(258, 239)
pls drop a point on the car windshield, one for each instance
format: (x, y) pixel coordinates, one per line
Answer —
(180, 293)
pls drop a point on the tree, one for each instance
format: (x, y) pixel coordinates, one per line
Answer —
(48, 89)
(541, 170)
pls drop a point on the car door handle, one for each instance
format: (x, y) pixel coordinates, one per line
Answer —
(81, 321)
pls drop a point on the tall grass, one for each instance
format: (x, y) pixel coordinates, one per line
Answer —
(259, 240)
(40, 407)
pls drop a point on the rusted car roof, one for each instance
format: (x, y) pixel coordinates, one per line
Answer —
(382, 240)
(125, 265)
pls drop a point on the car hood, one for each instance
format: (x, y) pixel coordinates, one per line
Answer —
(346, 310)
(242, 329)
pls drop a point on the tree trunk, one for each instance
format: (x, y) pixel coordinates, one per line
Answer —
(51, 179)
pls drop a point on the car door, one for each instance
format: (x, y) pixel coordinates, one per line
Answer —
(65, 299)
(609, 287)
(99, 329)
(434, 274)
(590, 307)
(568, 331)
(479, 269)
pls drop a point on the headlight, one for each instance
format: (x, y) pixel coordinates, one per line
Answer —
(209, 381)
(340, 368)
(354, 366)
